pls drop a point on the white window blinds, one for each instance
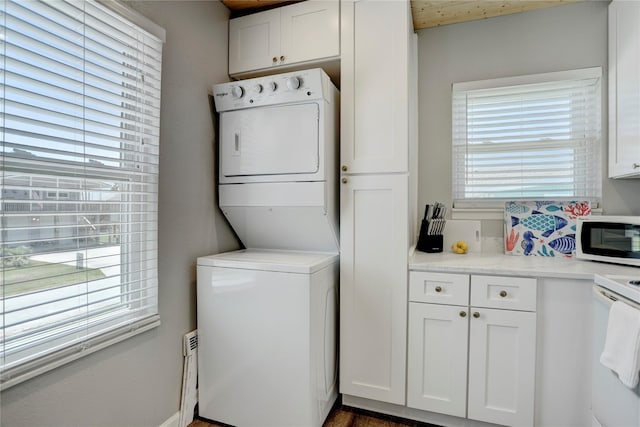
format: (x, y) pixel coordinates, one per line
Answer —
(531, 137)
(79, 123)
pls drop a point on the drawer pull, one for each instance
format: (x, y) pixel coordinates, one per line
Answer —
(345, 180)
(476, 314)
(275, 59)
(463, 314)
(438, 288)
(636, 165)
(503, 294)
(345, 168)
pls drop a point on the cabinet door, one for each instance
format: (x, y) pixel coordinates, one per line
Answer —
(375, 86)
(373, 287)
(437, 358)
(254, 41)
(502, 349)
(624, 89)
(310, 30)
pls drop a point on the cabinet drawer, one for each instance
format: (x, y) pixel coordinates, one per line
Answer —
(512, 293)
(439, 288)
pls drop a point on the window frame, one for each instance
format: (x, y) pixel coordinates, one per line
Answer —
(58, 351)
(491, 208)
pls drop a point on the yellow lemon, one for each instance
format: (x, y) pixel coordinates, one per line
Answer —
(460, 247)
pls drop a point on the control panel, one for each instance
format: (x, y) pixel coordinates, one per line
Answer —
(297, 86)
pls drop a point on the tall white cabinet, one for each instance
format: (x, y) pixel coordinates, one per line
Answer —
(377, 195)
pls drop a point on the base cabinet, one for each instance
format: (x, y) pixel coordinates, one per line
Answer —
(468, 360)
(437, 358)
(502, 349)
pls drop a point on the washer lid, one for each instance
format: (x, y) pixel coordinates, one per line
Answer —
(271, 260)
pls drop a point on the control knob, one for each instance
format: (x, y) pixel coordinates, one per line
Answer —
(257, 88)
(237, 92)
(272, 86)
(293, 83)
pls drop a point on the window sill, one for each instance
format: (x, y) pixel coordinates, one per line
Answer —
(489, 213)
(37, 367)
(477, 213)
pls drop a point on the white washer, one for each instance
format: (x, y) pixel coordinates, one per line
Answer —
(267, 337)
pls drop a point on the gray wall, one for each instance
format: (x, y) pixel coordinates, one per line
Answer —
(559, 38)
(137, 382)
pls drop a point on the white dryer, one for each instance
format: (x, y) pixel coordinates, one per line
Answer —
(278, 160)
(267, 315)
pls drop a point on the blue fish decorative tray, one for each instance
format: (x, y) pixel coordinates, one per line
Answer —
(542, 228)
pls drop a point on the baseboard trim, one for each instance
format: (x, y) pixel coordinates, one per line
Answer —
(172, 421)
(410, 413)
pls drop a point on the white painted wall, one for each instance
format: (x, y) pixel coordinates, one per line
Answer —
(559, 38)
(137, 382)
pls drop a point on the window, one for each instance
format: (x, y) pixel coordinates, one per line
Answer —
(79, 127)
(531, 137)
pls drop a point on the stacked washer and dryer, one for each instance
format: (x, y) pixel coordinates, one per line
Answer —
(267, 315)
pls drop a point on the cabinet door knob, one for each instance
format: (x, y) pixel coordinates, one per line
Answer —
(636, 165)
(345, 180)
(476, 314)
(503, 294)
(438, 289)
(275, 59)
(344, 168)
(282, 58)
(463, 314)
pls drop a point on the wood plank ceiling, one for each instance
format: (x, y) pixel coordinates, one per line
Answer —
(428, 13)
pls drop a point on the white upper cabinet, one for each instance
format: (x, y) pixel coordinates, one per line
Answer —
(310, 30)
(254, 41)
(624, 89)
(300, 33)
(375, 86)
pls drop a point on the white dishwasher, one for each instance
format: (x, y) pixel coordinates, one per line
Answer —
(613, 404)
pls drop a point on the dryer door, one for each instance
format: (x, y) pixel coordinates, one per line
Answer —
(269, 141)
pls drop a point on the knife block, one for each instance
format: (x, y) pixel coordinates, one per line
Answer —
(431, 243)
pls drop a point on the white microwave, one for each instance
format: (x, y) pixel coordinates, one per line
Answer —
(609, 239)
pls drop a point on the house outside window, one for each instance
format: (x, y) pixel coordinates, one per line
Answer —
(80, 117)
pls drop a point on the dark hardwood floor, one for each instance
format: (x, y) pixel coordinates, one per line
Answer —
(344, 416)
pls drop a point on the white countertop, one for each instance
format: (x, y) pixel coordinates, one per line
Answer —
(510, 265)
